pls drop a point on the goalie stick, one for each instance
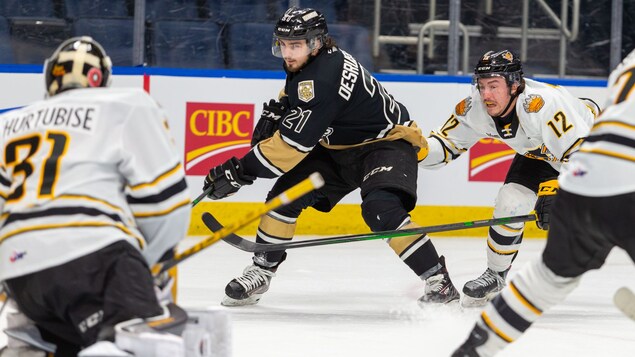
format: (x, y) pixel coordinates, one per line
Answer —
(314, 181)
(250, 246)
(624, 299)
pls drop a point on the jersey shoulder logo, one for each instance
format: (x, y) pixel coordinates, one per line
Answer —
(463, 107)
(306, 91)
(533, 103)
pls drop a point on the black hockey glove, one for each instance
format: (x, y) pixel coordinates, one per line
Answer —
(269, 119)
(226, 179)
(546, 194)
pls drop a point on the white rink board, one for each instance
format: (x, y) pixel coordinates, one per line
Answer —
(429, 103)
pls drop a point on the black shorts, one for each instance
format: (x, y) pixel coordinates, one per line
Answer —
(584, 229)
(390, 165)
(72, 302)
(530, 172)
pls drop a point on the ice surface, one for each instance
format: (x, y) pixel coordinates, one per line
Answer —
(358, 299)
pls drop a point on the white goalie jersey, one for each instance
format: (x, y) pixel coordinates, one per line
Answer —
(605, 164)
(82, 170)
(549, 125)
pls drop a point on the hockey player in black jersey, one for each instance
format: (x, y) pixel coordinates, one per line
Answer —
(338, 120)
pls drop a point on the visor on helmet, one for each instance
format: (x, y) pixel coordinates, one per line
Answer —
(277, 45)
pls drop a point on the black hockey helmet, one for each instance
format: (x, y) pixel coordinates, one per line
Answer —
(500, 64)
(299, 24)
(79, 62)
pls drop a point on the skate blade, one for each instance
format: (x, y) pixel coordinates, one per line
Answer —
(426, 304)
(252, 300)
(470, 302)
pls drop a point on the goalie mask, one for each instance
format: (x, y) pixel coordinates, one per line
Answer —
(79, 62)
(300, 24)
(500, 64)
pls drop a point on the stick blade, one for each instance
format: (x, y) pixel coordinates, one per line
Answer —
(624, 299)
(211, 222)
(232, 239)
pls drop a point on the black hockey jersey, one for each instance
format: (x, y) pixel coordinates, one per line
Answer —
(334, 102)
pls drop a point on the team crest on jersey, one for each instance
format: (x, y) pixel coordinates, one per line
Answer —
(541, 153)
(533, 103)
(306, 91)
(463, 107)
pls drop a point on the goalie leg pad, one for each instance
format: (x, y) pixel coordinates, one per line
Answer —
(157, 336)
(103, 348)
(23, 336)
(16, 319)
(208, 333)
(150, 344)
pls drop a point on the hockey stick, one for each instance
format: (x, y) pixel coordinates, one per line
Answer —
(251, 246)
(4, 296)
(624, 299)
(202, 195)
(307, 185)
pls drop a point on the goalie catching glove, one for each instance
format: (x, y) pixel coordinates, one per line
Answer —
(226, 179)
(546, 194)
(269, 119)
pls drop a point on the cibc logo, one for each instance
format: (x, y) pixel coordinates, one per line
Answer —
(214, 133)
(490, 160)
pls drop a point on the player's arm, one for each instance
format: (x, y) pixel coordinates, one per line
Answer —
(449, 141)
(298, 132)
(156, 188)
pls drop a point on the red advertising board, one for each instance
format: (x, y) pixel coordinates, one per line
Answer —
(489, 160)
(215, 132)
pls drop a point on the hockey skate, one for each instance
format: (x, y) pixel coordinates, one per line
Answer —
(248, 288)
(477, 338)
(439, 288)
(479, 291)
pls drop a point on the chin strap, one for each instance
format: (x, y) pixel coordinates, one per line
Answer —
(511, 99)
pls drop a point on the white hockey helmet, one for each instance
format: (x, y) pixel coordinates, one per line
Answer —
(79, 62)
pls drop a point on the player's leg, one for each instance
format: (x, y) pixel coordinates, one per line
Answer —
(278, 226)
(575, 245)
(503, 243)
(516, 197)
(174, 333)
(388, 188)
(624, 297)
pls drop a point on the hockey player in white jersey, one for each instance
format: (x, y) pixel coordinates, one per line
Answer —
(592, 212)
(92, 193)
(543, 123)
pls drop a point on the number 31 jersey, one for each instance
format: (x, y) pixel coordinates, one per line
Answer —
(82, 170)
